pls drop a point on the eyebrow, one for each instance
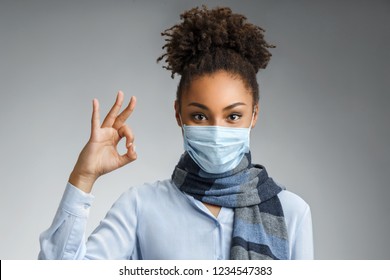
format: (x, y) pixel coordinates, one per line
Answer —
(199, 105)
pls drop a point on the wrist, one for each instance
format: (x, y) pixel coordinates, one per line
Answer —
(82, 181)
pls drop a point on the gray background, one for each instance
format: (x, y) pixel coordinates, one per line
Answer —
(323, 129)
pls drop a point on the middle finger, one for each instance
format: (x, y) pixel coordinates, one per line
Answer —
(122, 117)
(111, 116)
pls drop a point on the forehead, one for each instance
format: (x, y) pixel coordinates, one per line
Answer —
(217, 90)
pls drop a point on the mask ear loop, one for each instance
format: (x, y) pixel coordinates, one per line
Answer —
(250, 127)
(181, 121)
(253, 117)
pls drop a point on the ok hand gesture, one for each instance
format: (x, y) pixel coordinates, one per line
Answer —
(100, 155)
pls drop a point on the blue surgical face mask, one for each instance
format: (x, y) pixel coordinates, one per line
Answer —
(216, 149)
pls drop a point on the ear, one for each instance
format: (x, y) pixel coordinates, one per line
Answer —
(255, 114)
(177, 112)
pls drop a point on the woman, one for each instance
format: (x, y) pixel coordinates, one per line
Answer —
(217, 204)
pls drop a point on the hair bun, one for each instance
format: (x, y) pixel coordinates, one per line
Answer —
(203, 32)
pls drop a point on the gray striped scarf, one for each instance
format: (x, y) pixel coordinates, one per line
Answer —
(259, 228)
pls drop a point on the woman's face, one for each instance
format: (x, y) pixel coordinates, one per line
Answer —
(218, 99)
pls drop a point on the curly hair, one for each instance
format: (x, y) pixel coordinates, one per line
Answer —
(207, 41)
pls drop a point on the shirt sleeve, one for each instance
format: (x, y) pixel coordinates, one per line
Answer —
(114, 238)
(299, 226)
(65, 238)
(302, 243)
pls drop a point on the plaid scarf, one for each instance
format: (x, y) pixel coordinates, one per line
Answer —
(259, 228)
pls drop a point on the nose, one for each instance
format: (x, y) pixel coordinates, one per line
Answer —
(217, 122)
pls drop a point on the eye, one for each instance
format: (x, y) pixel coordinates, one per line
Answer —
(199, 117)
(234, 117)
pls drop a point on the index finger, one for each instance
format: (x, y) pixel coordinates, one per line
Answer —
(122, 117)
(95, 121)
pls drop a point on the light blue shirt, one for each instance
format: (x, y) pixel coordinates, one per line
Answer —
(158, 221)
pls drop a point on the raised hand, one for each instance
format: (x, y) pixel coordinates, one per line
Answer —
(100, 155)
